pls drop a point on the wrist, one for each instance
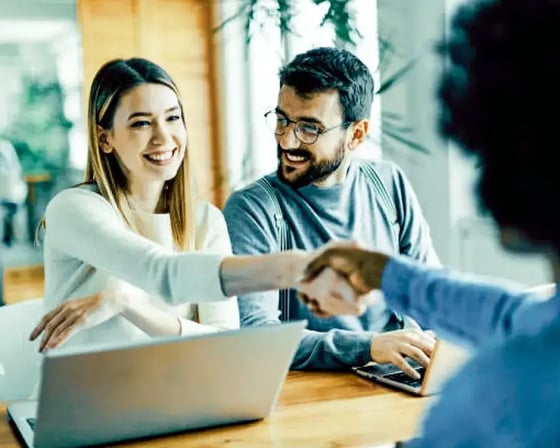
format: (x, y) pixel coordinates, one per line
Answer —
(362, 342)
(118, 300)
(295, 262)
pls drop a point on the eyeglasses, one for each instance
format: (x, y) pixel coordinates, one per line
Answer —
(306, 132)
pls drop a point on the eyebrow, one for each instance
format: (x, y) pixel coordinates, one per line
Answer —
(148, 114)
(301, 118)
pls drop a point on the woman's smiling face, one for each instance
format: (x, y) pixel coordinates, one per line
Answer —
(148, 134)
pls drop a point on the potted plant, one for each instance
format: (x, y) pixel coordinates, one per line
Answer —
(340, 15)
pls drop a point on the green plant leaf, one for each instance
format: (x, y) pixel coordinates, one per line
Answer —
(394, 78)
(389, 130)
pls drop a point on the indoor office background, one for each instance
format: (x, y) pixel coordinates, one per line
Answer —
(50, 50)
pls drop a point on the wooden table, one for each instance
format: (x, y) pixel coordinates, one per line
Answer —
(314, 410)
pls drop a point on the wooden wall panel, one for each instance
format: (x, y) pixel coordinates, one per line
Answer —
(108, 30)
(177, 34)
(23, 283)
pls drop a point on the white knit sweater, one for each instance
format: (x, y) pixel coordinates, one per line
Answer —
(88, 249)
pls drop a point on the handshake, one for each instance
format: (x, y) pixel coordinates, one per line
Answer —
(339, 278)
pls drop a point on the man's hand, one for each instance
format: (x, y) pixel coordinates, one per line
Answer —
(392, 347)
(330, 294)
(65, 319)
(361, 268)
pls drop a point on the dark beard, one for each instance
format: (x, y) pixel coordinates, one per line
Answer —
(316, 172)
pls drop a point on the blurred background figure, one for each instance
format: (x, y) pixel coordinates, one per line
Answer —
(13, 190)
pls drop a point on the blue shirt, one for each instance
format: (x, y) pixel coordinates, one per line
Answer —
(508, 395)
(316, 215)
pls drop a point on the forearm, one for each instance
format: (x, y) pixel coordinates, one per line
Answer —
(190, 327)
(151, 320)
(333, 350)
(113, 248)
(437, 299)
(223, 315)
(247, 274)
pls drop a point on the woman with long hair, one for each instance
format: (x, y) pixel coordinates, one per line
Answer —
(128, 251)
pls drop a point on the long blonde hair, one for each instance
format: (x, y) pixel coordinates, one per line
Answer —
(114, 79)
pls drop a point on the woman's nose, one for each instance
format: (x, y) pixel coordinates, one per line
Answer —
(161, 135)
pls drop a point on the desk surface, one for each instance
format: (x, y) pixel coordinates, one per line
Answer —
(314, 410)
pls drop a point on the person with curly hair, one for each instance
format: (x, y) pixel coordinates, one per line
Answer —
(500, 80)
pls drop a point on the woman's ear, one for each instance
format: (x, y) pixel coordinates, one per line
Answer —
(104, 140)
(359, 131)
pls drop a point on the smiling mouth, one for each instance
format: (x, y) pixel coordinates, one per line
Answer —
(293, 158)
(160, 158)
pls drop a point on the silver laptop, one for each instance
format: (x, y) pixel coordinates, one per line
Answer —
(446, 359)
(161, 386)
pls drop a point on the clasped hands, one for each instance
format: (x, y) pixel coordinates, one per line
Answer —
(340, 278)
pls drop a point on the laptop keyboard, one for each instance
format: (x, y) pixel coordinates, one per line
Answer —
(31, 423)
(403, 378)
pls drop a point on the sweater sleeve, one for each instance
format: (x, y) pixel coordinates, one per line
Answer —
(415, 240)
(464, 308)
(81, 224)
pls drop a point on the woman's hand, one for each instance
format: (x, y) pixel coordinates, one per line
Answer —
(329, 294)
(361, 268)
(340, 279)
(59, 324)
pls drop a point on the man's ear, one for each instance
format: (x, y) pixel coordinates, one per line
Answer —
(359, 131)
(104, 140)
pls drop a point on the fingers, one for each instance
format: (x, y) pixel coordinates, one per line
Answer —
(329, 306)
(52, 324)
(417, 345)
(56, 322)
(416, 354)
(333, 258)
(346, 262)
(424, 341)
(313, 305)
(43, 323)
(330, 294)
(402, 364)
(62, 331)
(394, 346)
(38, 329)
(418, 340)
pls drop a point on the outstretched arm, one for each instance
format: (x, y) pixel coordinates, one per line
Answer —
(436, 298)
(82, 225)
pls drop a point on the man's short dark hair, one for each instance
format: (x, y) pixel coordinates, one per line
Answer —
(499, 95)
(325, 68)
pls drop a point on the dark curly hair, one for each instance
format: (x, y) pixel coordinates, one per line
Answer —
(497, 93)
(325, 68)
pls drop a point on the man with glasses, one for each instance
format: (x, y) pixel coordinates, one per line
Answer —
(320, 193)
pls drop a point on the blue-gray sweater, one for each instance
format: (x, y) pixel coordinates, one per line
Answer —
(316, 215)
(508, 395)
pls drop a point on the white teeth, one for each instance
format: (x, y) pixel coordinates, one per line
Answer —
(161, 156)
(293, 158)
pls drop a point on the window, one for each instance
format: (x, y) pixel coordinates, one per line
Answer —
(251, 80)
